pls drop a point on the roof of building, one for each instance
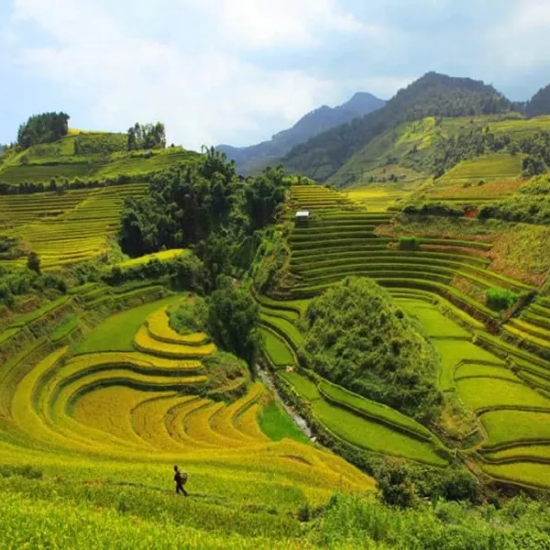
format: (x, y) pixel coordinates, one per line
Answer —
(302, 214)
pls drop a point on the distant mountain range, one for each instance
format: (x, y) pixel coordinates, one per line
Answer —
(433, 94)
(255, 157)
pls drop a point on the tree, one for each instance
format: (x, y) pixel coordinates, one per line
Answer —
(533, 165)
(146, 136)
(44, 128)
(233, 320)
(33, 262)
(264, 195)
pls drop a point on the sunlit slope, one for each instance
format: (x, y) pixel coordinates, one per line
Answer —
(104, 427)
(65, 228)
(389, 158)
(89, 155)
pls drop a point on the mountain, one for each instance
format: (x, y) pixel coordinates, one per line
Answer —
(540, 103)
(255, 157)
(434, 95)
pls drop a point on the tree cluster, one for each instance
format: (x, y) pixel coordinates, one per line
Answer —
(194, 202)
(44, 128)
(530, 205)
(357, 337)
(18, 282)
(146, 136)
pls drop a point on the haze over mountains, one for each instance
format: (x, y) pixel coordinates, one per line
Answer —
(253, 158)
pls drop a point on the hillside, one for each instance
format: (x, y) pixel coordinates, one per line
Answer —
(253, 158)
(410, 153)
(540, 103)
(432, 95)
(86, 156)
(470, 285)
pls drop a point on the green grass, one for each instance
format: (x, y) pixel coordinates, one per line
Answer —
(7, 334)
(117, 332)
(468, 370)
(277, 349)
(498, 167)
(373, 409)
(486, 393)
(276, 424)
(452, 352)
(65, 328)
(506, 427)
(284, 327)
(164, 256)
(372, 435)
(521, 472)
(518, 453)
(24, 320)
(301, 384)
(432, 320)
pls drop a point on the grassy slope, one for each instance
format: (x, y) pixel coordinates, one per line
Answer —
(277, 425)
(43, 162)
(382, 155)
(117, 333)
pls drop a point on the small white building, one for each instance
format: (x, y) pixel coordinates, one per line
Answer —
(302, 217)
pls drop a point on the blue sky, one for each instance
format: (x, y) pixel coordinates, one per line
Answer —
(237, 71)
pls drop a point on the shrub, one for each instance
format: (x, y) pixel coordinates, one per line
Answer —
(190, 316)
(500, 299)
(33, 262)
(409, 243)
(434, 209)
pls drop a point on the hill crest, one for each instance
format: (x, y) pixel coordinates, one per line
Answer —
(253, 158)
(433, 94)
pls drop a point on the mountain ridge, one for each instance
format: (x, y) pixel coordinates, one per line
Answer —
(254, 157)
(433, 94)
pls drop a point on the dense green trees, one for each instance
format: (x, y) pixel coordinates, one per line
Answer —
(357, 337)
(147, 136)
(263, 195)
(190, 203)
(33, 262)
(233, 319)
(45, 128)
(17, 282)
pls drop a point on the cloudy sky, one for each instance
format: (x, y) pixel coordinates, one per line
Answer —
(237, 71)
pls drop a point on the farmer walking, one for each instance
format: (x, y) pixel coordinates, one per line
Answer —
(181, 480)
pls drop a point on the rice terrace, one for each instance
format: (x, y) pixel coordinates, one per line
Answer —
(345, 344)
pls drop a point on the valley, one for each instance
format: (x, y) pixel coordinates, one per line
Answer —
(158, 307)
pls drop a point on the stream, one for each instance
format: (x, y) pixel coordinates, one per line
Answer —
(298, 420)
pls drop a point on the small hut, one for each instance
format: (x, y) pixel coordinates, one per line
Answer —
(302, 218)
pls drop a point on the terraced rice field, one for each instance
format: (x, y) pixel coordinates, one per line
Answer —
(497, 167)
(375, 199)
(68, 228)
(361, 423)
(109, 421)
(503, 379)
(513, 411)
(342, 240)
(364, 424)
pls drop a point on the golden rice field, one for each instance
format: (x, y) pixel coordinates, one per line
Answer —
(68, 228)
(105, 427)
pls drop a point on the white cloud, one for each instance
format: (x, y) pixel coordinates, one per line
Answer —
(280, 24)
(521, 40)
(204, 95)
